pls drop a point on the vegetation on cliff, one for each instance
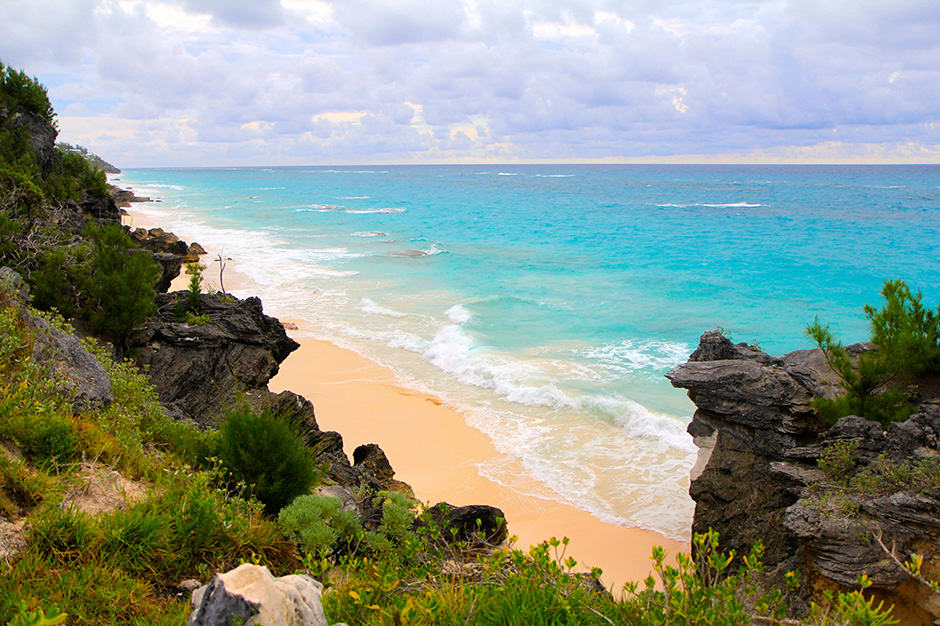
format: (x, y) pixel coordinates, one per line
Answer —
(880, 383)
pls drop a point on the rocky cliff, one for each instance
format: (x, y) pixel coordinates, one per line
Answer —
(831, 503)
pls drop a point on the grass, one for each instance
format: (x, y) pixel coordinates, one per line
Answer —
(122, 566)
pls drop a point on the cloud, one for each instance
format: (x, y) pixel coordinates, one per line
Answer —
(240, 13)
(269, 82)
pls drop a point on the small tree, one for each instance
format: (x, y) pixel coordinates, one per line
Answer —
(121, 283)
(194, 271)
(906, 339)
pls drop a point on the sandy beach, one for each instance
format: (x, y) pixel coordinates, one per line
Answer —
(432, 448)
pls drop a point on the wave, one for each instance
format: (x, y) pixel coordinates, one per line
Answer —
(554, 175)
(458, 314)
(367, 211)
(733, 205)
(328, 272)
(352, 171)
(631, 355)
(369, 306)
(162, 186)
(729, 205)
(369, 233)
(432, 251)
(508, 174)
(452, 350)
(355, 198)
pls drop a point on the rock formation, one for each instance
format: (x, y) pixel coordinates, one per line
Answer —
(758, 476)
(249, 594)
(198, 369)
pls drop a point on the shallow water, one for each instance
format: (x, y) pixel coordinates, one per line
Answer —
(548, 301)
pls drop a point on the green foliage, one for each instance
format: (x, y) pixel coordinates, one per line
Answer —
(906, 333)
(262, 451)
(122, 281)
(906, 336)
(39, 618)
(838, 459)
(18, 89)
(319, 524)
(62, 533)
(883, 476)
(194, 292)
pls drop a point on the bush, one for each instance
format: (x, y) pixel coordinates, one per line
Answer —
(264, 453)
(18, 89)
(121, 282)
(906, 337)
(319, 524)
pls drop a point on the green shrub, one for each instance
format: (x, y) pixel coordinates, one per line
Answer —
(121, 282)
(52, 440)
(838, 460)
(906, 337)
(263, 452)
(907, 334)
(18, 89)
(194, 292)
(319, 524)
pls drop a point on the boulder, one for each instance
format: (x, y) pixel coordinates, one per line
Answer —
(250, 595)
(101, 208)
(170, 266)
(370, 459)
(476, 523)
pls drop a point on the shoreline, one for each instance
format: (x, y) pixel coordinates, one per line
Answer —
(432, 448)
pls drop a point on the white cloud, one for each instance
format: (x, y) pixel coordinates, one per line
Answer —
(314, 81)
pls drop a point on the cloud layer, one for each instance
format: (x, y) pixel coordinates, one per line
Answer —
(203, 82)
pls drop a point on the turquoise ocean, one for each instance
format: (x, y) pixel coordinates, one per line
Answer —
(546, 302)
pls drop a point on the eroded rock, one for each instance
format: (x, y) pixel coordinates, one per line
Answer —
(198, 369)
(757, 477)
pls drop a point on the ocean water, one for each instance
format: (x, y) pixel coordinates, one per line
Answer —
(546, 302)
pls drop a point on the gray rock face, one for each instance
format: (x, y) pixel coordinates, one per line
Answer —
(41, 135)
(252, 596)
(78, 370)
(757, 476)
(198, 369)
(63, 355)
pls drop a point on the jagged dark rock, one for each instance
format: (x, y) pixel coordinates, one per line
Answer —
(101, 208)
(170, 266)
(756, 477)
(198, 370)
(168, 250)
(474, 523)
(124, 197)
(370, 459)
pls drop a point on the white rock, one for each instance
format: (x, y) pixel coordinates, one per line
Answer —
(251, 593)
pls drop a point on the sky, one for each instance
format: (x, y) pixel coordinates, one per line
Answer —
(291, 82)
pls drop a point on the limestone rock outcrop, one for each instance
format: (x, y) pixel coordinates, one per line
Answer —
(758, 476)
(198, 369)
(250, 595)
